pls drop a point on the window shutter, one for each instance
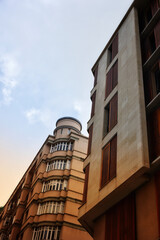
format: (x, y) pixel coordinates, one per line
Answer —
(108, 83)
(115, 46)
(95, 75)
(120, 220)
(157, 34)
(113, 158)
(93, 104)
(86, 171)
(115, 75)
(154, 6)
(113, 111)
(105, 164)
(90, 130)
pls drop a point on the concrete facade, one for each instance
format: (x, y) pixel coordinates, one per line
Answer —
(45, 203)
(135, 173)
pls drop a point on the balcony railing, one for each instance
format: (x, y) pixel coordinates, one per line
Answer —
(61, 146)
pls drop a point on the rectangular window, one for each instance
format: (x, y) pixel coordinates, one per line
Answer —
(110, 115)
(109, 161)
(154, 134)
(111, 79)
(93, 98)
(113, 49)
(120, 220)
(86, 171)
(95, 73)
(90, 130)
(152, 83)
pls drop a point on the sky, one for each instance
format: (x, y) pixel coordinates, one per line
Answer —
(47, 50)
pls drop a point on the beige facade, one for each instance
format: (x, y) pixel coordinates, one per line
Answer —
(45, 203)
(121, 119)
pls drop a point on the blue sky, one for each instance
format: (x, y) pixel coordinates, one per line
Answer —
(47, 48)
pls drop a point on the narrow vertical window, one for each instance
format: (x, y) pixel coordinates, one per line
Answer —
(93, 98)
(90, 130)
(95, 73)
(110, 115)
(113, 49)
(109, 160)
(111, 79)
(86, 171)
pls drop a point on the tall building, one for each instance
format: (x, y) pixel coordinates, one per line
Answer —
(45, 203)
(122, 184)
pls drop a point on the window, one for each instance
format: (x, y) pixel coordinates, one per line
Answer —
(110, 115)
(61, 130)
(61, 146)
(152, 83)
(93, 98)
(50, 207)
(109, 159)
(154, 134)
(95, 73)
(58, 165)
(46, 232)
(113, 49)
(54, 185)
(111, 79)
(120, 220)
(86, 171)
(90, 130)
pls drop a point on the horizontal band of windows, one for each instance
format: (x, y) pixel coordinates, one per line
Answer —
(56, 185)
(46, 232)
(50, 207)
(58, 164)
(61, 146)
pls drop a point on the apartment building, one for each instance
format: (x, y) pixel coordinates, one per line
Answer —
(122, 184)
(45, 203)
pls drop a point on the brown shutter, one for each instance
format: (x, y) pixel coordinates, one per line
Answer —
(86, 171)
(113, 111)
(108, 83)
(115, 46)
(90, 139)
(120, 220)
(95, 75)
(105, 164)
(115, 75)
(157, 184)
(93, 104)
(113, 158)
(157, 34)
(154, 6)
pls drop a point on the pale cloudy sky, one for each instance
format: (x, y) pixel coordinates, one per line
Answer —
(47, 48)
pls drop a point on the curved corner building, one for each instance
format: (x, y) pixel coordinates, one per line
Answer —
(45, 203)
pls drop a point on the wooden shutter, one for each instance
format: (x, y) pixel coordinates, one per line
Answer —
(115, 75)
(113, 158)
(154, 134)
(105, 164)
(95, 75)
(93, 104)
(120, 220)
(157, 34)
(115, 46)
(154, 6)
(86, 171)
(90, 139)
(113, 111)
(108, 83)
(157, 184)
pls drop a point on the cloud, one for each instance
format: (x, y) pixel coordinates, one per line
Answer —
(34, 115)
(9, 71)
